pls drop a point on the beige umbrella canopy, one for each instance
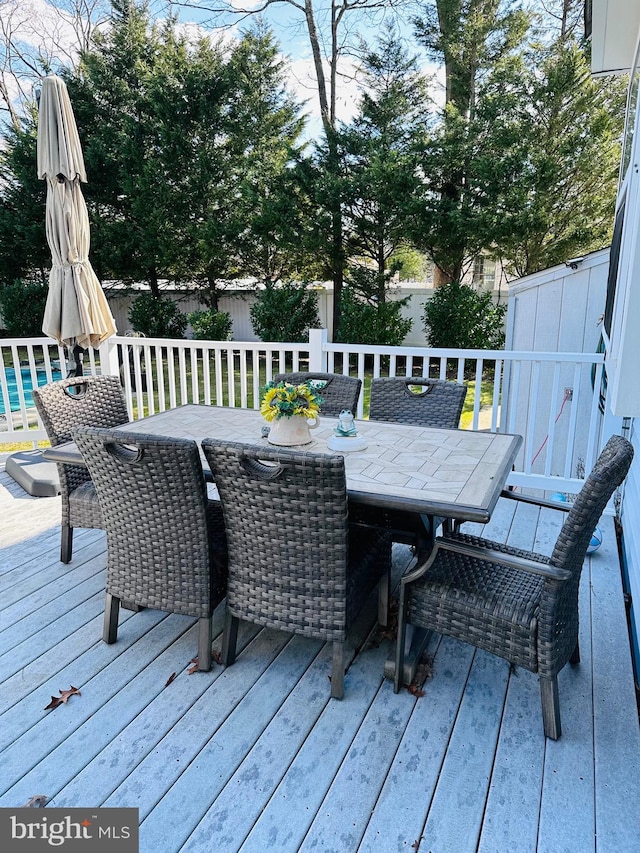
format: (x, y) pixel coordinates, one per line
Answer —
(77, 313)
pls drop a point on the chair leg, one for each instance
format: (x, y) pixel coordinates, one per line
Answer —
(575, 657)
(229, 638)
(337, 671)
(384, 597)
(550, 707)
(66, 543)
(204, 644)
(110, 627)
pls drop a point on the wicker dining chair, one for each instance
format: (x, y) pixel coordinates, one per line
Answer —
(294, 563)
(338, 392)
(62, 406)
(517, 604)
(438, 404)
(166, 546)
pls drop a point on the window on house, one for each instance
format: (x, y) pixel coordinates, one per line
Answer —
(631, 118)
(614, 263)
(484, 273)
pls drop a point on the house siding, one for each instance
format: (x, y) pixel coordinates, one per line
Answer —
(556, 310)
(630, 522)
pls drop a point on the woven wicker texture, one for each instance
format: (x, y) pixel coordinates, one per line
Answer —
(339, 393)
(293, 564)
(438, 403)
(63, 406)
(165, 540)
(528, 619)
(485, 604)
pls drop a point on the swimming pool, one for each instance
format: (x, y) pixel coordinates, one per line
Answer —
(27, 386)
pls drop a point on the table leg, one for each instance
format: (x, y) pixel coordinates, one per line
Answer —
(416, 640)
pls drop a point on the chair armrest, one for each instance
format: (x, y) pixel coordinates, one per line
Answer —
(511, 560)
(65, 454)
(527, 499)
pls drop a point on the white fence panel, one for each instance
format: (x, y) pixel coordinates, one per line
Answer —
(521, 392)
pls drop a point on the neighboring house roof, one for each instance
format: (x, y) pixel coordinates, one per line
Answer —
(535, 279)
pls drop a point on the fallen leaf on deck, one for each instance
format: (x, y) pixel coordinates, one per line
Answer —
(62, 698)
(423, 671)
(215, 657)
(170, 679)
(36, 802)
(386, 632)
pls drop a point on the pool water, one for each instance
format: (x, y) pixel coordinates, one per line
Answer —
(27, 386)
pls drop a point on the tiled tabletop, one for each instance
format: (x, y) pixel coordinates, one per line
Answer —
(453, 473)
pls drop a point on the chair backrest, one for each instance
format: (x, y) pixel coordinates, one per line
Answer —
(285, 514)
(80, 401)
(153, 498)
(608, 473)
(437, 403)
(338, 392)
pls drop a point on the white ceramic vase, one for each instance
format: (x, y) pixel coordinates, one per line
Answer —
(288, 432)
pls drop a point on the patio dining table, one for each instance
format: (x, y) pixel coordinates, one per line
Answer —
(423, 472)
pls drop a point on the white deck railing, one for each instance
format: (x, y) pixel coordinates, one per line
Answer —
(551, 399)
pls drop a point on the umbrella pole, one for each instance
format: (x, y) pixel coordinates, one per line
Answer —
(76, 369)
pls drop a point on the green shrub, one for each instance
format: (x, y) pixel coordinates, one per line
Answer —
(363, 322)
(456, 317)
(285, 312)
(156, 317)
(211, 325)
(22, 307)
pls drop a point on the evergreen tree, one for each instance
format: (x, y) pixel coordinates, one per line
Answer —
(380, 155)
(145, 104)
(562, 203)
(264, 128)
(510, 167)
(24, 251)
(464, 166)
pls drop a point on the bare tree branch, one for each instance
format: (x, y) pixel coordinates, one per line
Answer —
(34, 39)
(325, 27)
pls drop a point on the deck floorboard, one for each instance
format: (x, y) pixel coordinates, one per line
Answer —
(257, 757)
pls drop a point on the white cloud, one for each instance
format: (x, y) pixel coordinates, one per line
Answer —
(302, 82)
(40, 25)
(246, 5)
(193, 32)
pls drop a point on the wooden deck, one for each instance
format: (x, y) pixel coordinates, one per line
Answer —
(258, 757)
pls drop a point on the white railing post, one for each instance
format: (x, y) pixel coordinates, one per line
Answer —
(109, 365)
(317, 350)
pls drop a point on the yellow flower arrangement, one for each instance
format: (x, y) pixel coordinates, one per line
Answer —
(283, 400)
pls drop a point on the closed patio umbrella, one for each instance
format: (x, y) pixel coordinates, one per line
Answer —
(77, 314)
